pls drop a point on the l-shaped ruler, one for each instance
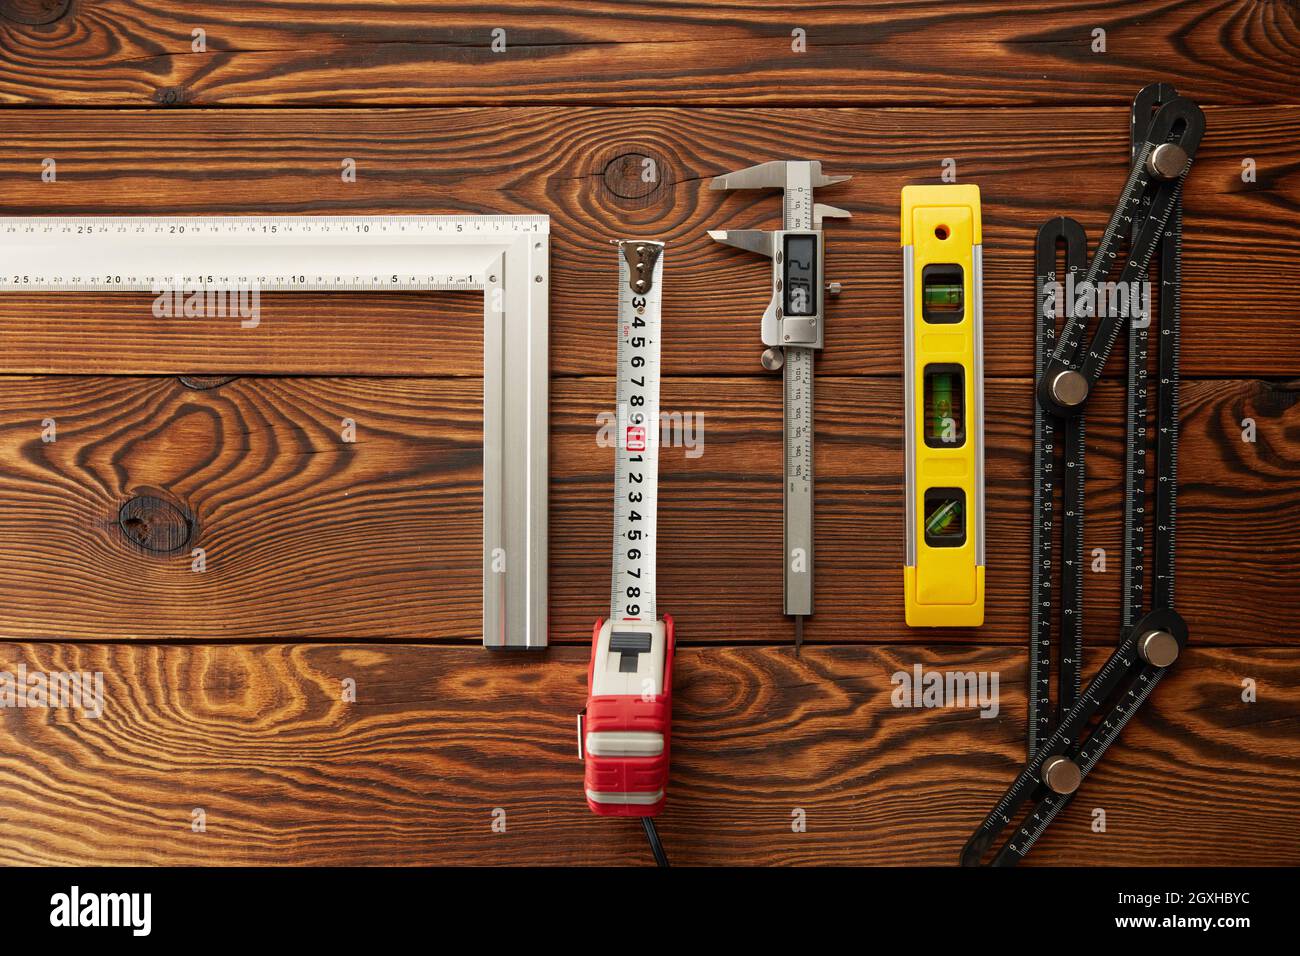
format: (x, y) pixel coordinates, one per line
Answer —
(504, 257)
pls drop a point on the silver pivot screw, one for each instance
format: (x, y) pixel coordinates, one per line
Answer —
(1167, 161)
(1061, 774)
(1070, 388)
(1158, 648)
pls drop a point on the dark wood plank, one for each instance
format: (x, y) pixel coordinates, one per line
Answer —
(117, 52)
(439, 738)
(302, 531)
(308, 537)
(434, 335)
(1239, 255)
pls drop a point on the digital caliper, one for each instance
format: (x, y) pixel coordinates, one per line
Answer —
(792, 329)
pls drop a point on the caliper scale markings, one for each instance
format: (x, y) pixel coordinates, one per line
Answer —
(792, 328)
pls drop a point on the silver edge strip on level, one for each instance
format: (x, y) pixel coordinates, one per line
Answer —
(909, 404)
(507, 257)
(977, 297)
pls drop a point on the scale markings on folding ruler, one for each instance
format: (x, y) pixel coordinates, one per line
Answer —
(1160, 164)
(792, 329)
(504, 257)
(1050, 476)
(1066, 744)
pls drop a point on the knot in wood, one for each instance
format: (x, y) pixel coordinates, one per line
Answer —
(634, 174)
(154, 524)
(34, 12)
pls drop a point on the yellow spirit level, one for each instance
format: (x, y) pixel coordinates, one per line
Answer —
(943, 432)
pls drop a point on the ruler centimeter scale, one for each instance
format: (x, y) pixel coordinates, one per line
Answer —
(792, 329)
(506, 258)
(1166, 486)
(1051, 476)
(277, 253)
(1065, 744)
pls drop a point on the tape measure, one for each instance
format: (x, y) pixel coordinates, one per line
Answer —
(624, 731)
(943, 388)
(636, 453)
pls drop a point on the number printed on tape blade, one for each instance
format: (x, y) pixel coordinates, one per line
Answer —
(636, 456)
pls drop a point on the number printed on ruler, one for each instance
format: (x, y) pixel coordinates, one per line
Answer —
(273, 253)
(636, 467)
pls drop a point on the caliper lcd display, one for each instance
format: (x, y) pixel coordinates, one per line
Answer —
(800, 278)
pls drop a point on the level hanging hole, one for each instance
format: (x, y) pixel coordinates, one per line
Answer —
(941, 232)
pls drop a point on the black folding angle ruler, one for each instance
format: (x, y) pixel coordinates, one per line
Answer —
(1067, 740)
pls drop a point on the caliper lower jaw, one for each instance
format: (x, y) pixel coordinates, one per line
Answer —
(778, 329)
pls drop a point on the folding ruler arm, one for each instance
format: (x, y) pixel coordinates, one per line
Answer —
(1156, 175)
(1055, 772)
(1064, 745)
(1066, 476)
(792, 327)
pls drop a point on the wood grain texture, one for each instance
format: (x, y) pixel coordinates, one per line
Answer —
(308, 537)
(438, 738)
(328, 560)
(302, 530)
(730, 52)
(1239, 254)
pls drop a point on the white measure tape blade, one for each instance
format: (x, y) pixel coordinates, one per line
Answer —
(636, 456)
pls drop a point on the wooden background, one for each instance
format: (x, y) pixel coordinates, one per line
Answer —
(328, 561)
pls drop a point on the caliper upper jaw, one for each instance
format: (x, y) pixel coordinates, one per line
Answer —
(779, 330)
(774, 175)
(822, 211)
